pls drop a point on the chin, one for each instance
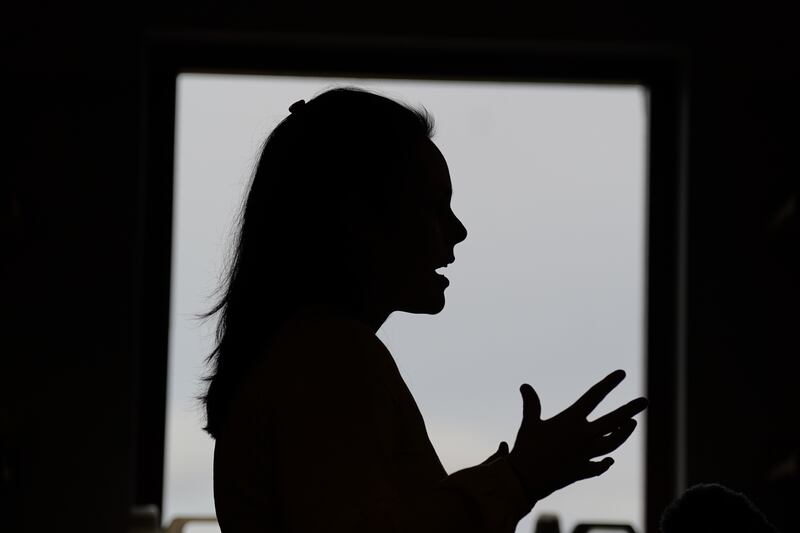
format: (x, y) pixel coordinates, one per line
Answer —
(430, 304)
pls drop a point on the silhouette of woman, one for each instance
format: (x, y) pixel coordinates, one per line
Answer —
(346, 221)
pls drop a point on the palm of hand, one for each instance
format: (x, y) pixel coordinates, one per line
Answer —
(553, 453)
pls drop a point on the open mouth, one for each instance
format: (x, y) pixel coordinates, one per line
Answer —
(440, 275)
(445, 264)
(439, 271)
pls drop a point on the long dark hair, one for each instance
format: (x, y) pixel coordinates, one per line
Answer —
(327, 168)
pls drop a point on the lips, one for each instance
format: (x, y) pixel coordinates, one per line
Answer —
(441, 277)
(446, 262)
(440, 268)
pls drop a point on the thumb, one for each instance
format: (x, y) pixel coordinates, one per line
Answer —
(531, 406)
(502, 451)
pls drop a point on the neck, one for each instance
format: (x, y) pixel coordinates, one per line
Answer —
(372, 317)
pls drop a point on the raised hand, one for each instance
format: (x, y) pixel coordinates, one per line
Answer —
(553, 453)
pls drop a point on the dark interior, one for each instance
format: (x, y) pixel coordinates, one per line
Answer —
(86, 205)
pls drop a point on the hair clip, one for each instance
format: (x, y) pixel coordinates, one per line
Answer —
(297, 106)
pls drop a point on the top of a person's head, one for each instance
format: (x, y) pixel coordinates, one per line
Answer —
(326, 175)
(328, 171)
(712, 508)
(345, 139)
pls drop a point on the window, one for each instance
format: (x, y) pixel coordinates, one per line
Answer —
(550, 180)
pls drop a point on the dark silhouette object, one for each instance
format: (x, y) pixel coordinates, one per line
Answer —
(548, 523)
(712, 507)
(601, 526)
(346, 221)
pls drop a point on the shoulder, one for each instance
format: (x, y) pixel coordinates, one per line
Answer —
(321, 351)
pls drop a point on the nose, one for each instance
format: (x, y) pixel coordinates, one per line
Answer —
(459, 231)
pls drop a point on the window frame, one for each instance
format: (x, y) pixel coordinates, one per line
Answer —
(662, 70)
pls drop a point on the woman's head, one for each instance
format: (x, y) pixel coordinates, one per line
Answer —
(348, 208)
(420, 236)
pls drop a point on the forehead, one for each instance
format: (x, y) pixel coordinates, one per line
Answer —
(430, 172)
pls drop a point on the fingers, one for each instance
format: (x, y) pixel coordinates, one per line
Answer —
(502, 451)
(606, 445)
(592, 398)
(531, 406)
(607, 423)
(595, 468)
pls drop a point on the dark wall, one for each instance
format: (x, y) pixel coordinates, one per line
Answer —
(71, 220)
(744, 239)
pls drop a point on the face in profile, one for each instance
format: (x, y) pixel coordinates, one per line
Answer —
(421, 236)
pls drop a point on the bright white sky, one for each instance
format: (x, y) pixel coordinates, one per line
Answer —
(547, 289)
